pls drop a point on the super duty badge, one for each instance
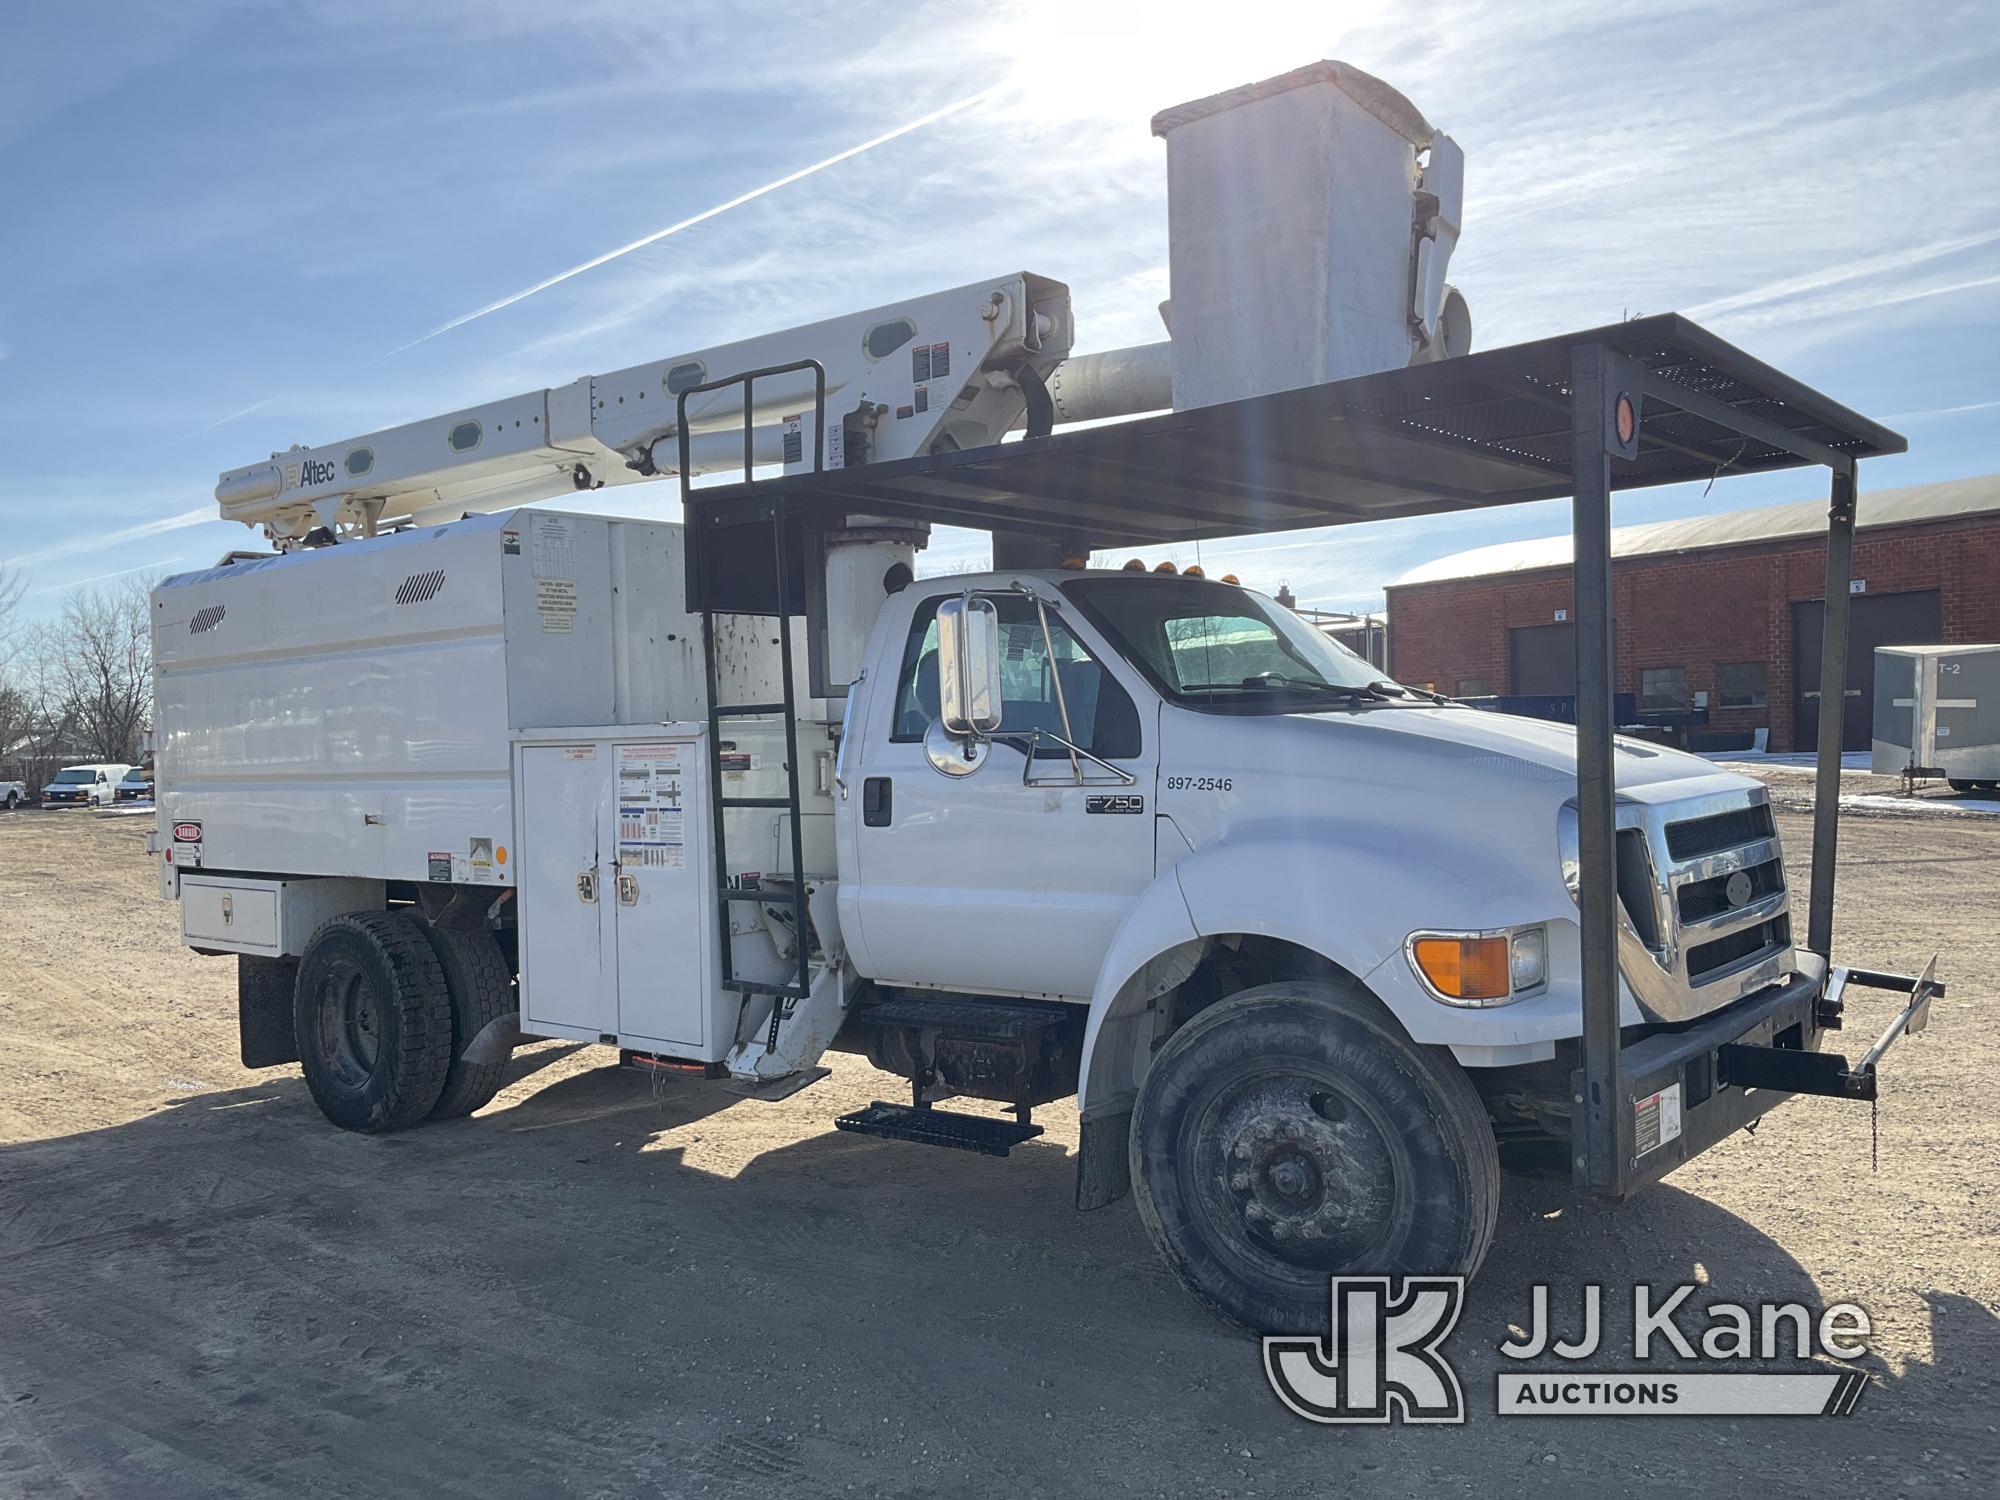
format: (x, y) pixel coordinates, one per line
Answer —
(1114, 802)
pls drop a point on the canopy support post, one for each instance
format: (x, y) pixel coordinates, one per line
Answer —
(1600, 1122)
(1832, 707)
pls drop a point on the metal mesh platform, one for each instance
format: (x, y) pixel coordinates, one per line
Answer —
(1491, 428)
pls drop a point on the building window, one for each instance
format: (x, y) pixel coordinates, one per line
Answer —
(1742, 684)
(1475, 687)
(1663, 689)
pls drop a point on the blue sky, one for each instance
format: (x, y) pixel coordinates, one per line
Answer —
(221, 217)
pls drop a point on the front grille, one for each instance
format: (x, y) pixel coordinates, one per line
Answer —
(1749, 942)
(1702, 899)
(1719, 831)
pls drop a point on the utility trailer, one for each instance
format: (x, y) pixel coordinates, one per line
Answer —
(1305, 945)
(1937, 713)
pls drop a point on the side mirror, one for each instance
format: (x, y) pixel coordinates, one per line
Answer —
(969, 667)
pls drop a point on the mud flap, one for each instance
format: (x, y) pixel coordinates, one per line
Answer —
(1104, 1161)
(264, 1010)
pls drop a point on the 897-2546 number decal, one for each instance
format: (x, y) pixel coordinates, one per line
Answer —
(1201, 783)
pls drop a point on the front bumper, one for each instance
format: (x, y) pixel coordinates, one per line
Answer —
(1685, 1090)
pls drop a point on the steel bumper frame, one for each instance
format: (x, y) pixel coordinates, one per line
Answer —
(1735, 1066)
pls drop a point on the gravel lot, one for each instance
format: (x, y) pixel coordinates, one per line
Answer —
(601, 1286)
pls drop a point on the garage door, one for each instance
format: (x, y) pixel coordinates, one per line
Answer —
(1911, 619)
(1542, 659)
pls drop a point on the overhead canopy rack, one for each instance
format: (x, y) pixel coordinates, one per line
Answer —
(1484, 429)
(1654, 401)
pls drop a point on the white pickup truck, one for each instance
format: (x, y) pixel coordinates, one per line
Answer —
(12, 794)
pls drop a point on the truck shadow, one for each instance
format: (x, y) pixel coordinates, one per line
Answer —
(602, 1261)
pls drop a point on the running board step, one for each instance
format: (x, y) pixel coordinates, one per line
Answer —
(938, 1127)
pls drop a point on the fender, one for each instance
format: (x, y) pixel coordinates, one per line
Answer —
(1308, 883)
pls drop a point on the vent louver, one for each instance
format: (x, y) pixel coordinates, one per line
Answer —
(420, 586)
(207, 618)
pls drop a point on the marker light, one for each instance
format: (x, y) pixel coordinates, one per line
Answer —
(1165, 567)
(1135, 565)
(1481, 968)
(1466, 968)
(1193, 570)
(1232, 578)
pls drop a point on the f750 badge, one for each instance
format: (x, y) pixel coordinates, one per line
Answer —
(1114, 802)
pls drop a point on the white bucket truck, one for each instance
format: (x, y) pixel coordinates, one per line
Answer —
(448, 770)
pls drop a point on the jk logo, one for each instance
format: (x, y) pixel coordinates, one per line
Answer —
(1380, 1360)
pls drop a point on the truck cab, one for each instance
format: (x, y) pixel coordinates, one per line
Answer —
(1180, 759)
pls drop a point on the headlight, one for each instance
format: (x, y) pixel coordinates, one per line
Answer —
(1528, 958)
(1480, 968)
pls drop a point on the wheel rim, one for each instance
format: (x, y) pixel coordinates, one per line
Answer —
(347, 1017)
(1298, 1172)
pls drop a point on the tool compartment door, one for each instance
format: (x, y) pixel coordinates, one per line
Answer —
(566, 890)
(665, 912)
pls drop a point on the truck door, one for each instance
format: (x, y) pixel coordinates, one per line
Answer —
(980, 882)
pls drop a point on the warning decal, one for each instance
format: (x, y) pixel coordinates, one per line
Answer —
(652, 824)
(1656, 1120)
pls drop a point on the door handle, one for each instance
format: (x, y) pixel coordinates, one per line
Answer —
(877, 801)
(586, 887)
(628, 890)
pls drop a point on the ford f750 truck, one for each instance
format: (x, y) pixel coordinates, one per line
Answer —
(1305, 944)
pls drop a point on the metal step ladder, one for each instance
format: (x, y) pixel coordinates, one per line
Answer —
(786, 995)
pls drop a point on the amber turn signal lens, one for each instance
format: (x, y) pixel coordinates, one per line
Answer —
(1464, 968)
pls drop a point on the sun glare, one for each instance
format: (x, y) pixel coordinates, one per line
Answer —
(1122, 61)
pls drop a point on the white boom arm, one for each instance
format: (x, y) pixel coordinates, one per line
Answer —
(1311, 220)
(953, 369)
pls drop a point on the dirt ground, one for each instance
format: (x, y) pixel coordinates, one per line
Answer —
(601, 1286)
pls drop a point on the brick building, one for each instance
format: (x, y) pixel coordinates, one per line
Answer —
(1719, 612)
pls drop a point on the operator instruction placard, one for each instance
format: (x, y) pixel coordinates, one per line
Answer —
(552, 557)
(652, 826)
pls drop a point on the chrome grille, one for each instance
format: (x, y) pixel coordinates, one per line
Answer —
(1704, 907)
(1693, 837)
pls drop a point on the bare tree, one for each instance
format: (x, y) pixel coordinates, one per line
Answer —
(13, 584)
(106, 665)
(37, 720)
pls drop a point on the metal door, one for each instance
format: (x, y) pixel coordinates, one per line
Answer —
(1910, 619)
(563, 868)
(660, 895)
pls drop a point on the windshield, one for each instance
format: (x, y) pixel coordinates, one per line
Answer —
(75, 778)
(134, 777)
(1221, 648)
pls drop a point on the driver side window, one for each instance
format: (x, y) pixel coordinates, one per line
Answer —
(1100, 711)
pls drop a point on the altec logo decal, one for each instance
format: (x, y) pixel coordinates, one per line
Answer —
(1382, 1359)
(315, 471)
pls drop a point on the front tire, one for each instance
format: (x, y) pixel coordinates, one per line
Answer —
(373, 1020)
(1293, 1133)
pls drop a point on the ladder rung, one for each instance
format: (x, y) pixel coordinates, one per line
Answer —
(740, 710)
(784, 802)
(764, 987)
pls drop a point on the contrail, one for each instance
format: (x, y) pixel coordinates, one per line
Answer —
(706, 214)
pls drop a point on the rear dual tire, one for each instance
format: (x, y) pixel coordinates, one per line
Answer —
(384, 1008)
(1293, 1133)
